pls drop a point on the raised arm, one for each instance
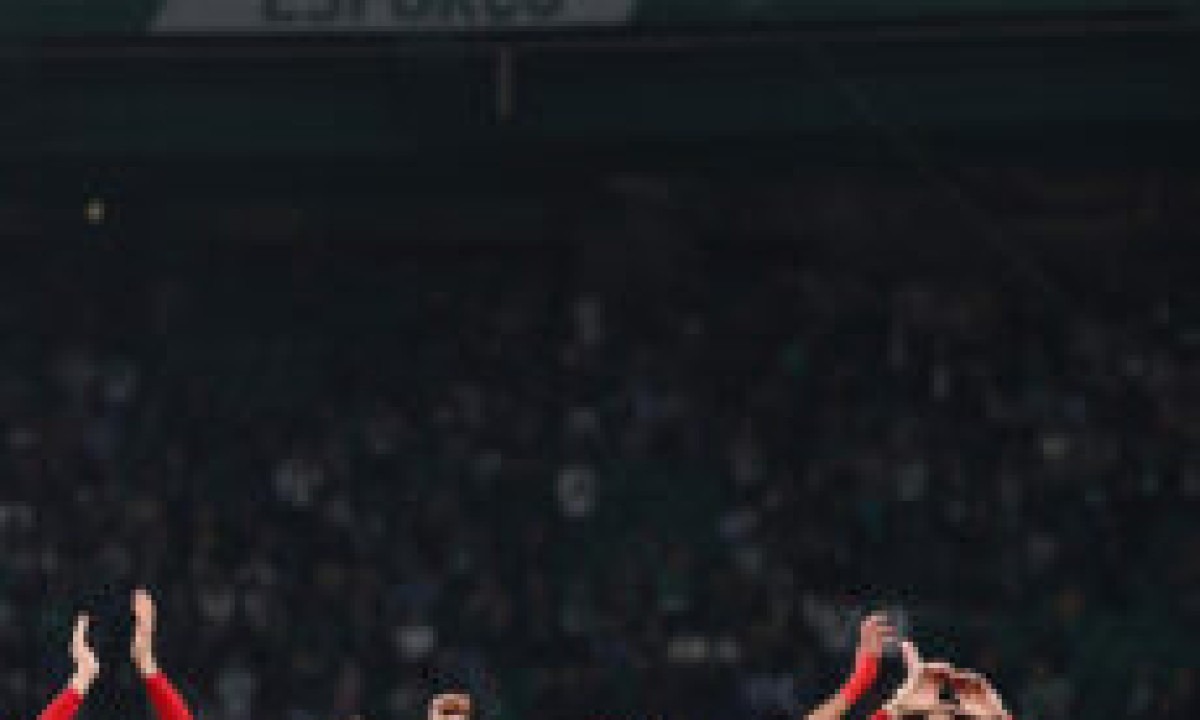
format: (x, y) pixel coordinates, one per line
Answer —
(167, 702)
(87, 668)
(874, 633)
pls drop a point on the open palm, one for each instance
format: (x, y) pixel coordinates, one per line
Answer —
(87, 665)
(142, 646)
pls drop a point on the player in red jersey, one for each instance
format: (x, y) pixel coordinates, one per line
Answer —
(874, 634)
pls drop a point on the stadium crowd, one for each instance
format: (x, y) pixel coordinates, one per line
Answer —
(354, 483)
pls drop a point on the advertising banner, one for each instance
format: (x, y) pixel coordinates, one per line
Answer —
(324, 16)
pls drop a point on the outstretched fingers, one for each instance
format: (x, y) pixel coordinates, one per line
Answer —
(79, 633)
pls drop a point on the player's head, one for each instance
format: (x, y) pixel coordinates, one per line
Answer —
(450, 706)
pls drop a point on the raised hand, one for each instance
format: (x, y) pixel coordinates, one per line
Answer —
(923, 682)
(142, 646)
(976, 696)
(87, 665)
(874, 634)
(450, 706)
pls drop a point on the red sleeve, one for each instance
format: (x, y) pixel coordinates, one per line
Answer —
(881, 714)
(866, 669)
(168, 703)
(64, 706)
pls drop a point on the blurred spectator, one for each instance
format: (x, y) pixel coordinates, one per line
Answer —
(353, 483)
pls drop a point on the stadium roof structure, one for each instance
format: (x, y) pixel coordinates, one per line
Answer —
(1108, 83)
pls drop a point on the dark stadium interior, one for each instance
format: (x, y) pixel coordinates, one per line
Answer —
(604, 373)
